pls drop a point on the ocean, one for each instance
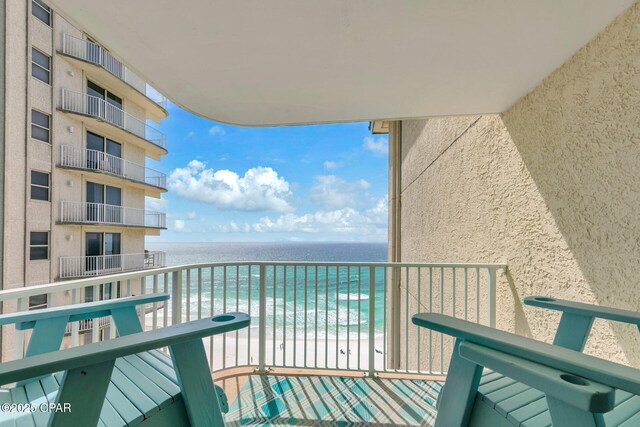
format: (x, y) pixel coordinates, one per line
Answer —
(190, 253)
(334, 303)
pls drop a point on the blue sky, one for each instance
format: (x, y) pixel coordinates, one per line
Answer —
(294, 183)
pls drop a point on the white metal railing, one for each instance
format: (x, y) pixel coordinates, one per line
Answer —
(93, 106)
(91, 52)
(87, 325)
(100, 213)
(98, 265)
(93, 160)
(313, 315)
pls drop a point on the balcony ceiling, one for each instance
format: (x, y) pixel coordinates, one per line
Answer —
(274, 62)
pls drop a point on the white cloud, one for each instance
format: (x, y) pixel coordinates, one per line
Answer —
(330, 192)
(190, 135)
(192, 215)
(372, 221)
(180, 226)
(379, 212)
(260, 189)
(153, 204)
(379, 146)
(216, 130)
(329, 165)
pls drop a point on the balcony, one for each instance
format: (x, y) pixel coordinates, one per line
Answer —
(97, 61)
(102, 214)
(152, 181)
(118, 122)
(320, 332)
(100, 265)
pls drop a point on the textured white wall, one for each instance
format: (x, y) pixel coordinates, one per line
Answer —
(551, 187)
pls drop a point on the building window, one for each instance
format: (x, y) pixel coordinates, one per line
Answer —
(39, 186)
(40, 65)
(39, 245)
(41, 11)
(40, 125)
(37, 302)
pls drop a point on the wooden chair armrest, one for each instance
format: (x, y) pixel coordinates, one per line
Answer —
(563, 359)
(92, 354)
(583, 394)
(585, 310)
(76, 312)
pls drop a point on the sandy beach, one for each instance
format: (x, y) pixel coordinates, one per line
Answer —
(326, 353)
(227, 351)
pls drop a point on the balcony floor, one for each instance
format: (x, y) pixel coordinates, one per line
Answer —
(334, 401)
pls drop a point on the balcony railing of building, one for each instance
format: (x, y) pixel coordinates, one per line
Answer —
(99, 265)
(93, 106)
(317, 316)
(99, 161)
(96, 54)
(87, 325)
(100, 213)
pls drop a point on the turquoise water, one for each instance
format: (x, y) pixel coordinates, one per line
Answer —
(332, 302)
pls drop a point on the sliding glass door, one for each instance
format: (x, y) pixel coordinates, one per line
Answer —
(111, 109)
(102, 251)
(104, 203)
(104, 154)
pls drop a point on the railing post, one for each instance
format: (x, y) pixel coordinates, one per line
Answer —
(75, 327)
(372, 320)
(176, 297)
(491, 293)
(395, 319)
(262, 327)
(22, 306)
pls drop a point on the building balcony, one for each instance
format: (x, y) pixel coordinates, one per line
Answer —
(325, 344)
(103, 214)
(317, 329)
(100, 265)
(98, 162)
(107, 68)
(115, 121)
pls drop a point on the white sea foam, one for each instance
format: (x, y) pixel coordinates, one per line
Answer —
(353, 297)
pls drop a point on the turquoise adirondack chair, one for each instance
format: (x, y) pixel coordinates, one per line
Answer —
(499, 379)
(125, 381)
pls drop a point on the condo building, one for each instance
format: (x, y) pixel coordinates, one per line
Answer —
(78, 134)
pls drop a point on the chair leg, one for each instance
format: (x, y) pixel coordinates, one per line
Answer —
(126, 320)
(46, 337)
(84, 390)
(573, 331)
(459, 393)
(198, 392)
(565, 415)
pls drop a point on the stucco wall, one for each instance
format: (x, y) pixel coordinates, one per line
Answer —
(551, 187)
